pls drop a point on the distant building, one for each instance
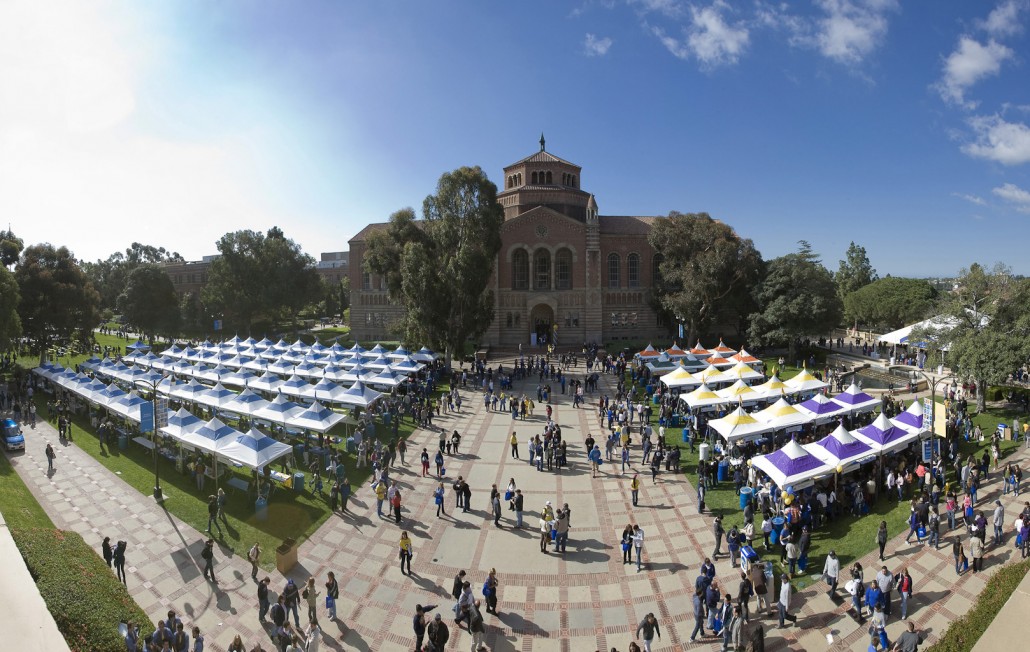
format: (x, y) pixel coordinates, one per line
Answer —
(334, 266)
(564, 271)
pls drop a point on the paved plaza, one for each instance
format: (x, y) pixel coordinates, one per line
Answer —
(586, 599)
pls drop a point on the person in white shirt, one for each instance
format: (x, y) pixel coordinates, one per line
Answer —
(638, 542)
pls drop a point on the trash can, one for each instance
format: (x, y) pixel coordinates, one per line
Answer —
(777, 526)
(298, 482)
(748, 556)
(724, 470)
(745, 496)
(352, 447)
(705, 452)
(123, 441)
(261, 509)
(286, 556)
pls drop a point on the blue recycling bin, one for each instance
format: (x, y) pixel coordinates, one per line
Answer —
(123, 441)
(261, 509)
(298, 482)
(745, 496)
(724, 470)
(777, 528)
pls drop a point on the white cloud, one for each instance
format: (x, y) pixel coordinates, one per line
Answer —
(969, 63)
(712, 39)
(677, 48)
(852, 29)
(596, 47)
(671, 8)
(1019, 198)
(1004, 19)
(997, 140)
(972, 199)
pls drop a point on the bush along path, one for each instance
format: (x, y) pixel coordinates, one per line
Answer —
(163, 561)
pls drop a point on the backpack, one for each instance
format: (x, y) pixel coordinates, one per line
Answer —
(206, 553)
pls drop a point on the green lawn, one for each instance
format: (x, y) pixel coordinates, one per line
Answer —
(17, 504)
(290, 515)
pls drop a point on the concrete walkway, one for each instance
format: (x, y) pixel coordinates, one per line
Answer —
(584, 600)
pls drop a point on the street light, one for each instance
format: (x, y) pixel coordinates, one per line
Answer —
(154, 415)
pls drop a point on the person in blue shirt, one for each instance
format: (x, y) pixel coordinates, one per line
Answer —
(873, 596)
(595, 458)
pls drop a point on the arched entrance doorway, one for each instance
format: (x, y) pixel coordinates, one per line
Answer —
(541, 322)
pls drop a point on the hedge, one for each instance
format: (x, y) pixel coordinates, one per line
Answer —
(966, 631)
(999, 392)
(82, 593)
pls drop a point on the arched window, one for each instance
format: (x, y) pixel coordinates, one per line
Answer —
(656, 269)
(563, 269)
(613, 270)
(548, 177)
(542, 270)
(520, 270)
(633, 270)
(366, 281)
(518, 179)
(573, 183)
(533, 178)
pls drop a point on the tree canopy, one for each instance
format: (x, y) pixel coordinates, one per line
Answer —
(58, 302)
(438, 268)
(890, 303)
(705, 267)
(855, 271)
(10, 322)
(796, 299)
(985, 325)
(110, 276)
(149, 302)
(260, 276)
(11, 247)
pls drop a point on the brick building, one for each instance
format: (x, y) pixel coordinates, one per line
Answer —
(564, 271)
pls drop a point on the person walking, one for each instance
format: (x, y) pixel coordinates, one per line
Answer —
(212, 515)
(50, 455)
(477, 628)
(118, 557)
(406, 553)
(208, 555)
(699, 615)
(490, 588)
(425, 462)
(786, 592)
(881, 537)
(649, 627)
(437, 635)
(634, 487)
(254, 556)
(262, 595)
(998, 521)
(638, 543)
(744, 596)
(220, 500)
(831, 571)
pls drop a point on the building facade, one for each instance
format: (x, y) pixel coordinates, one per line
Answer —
(564, 273)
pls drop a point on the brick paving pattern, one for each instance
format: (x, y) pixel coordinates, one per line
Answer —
(584, 600)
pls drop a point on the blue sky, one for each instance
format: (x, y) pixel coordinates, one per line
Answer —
(901, 126)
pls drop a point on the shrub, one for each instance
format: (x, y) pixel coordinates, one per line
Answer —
(1000, 392)
(964, 632)
(84, 596)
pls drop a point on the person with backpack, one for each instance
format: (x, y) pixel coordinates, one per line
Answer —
(208, 555)
(310, 594)
(278, 612)
(437, 635)
(490, 587)
(292, 601)
(903, 581)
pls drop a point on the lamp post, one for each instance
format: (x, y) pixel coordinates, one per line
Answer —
(150, 420)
